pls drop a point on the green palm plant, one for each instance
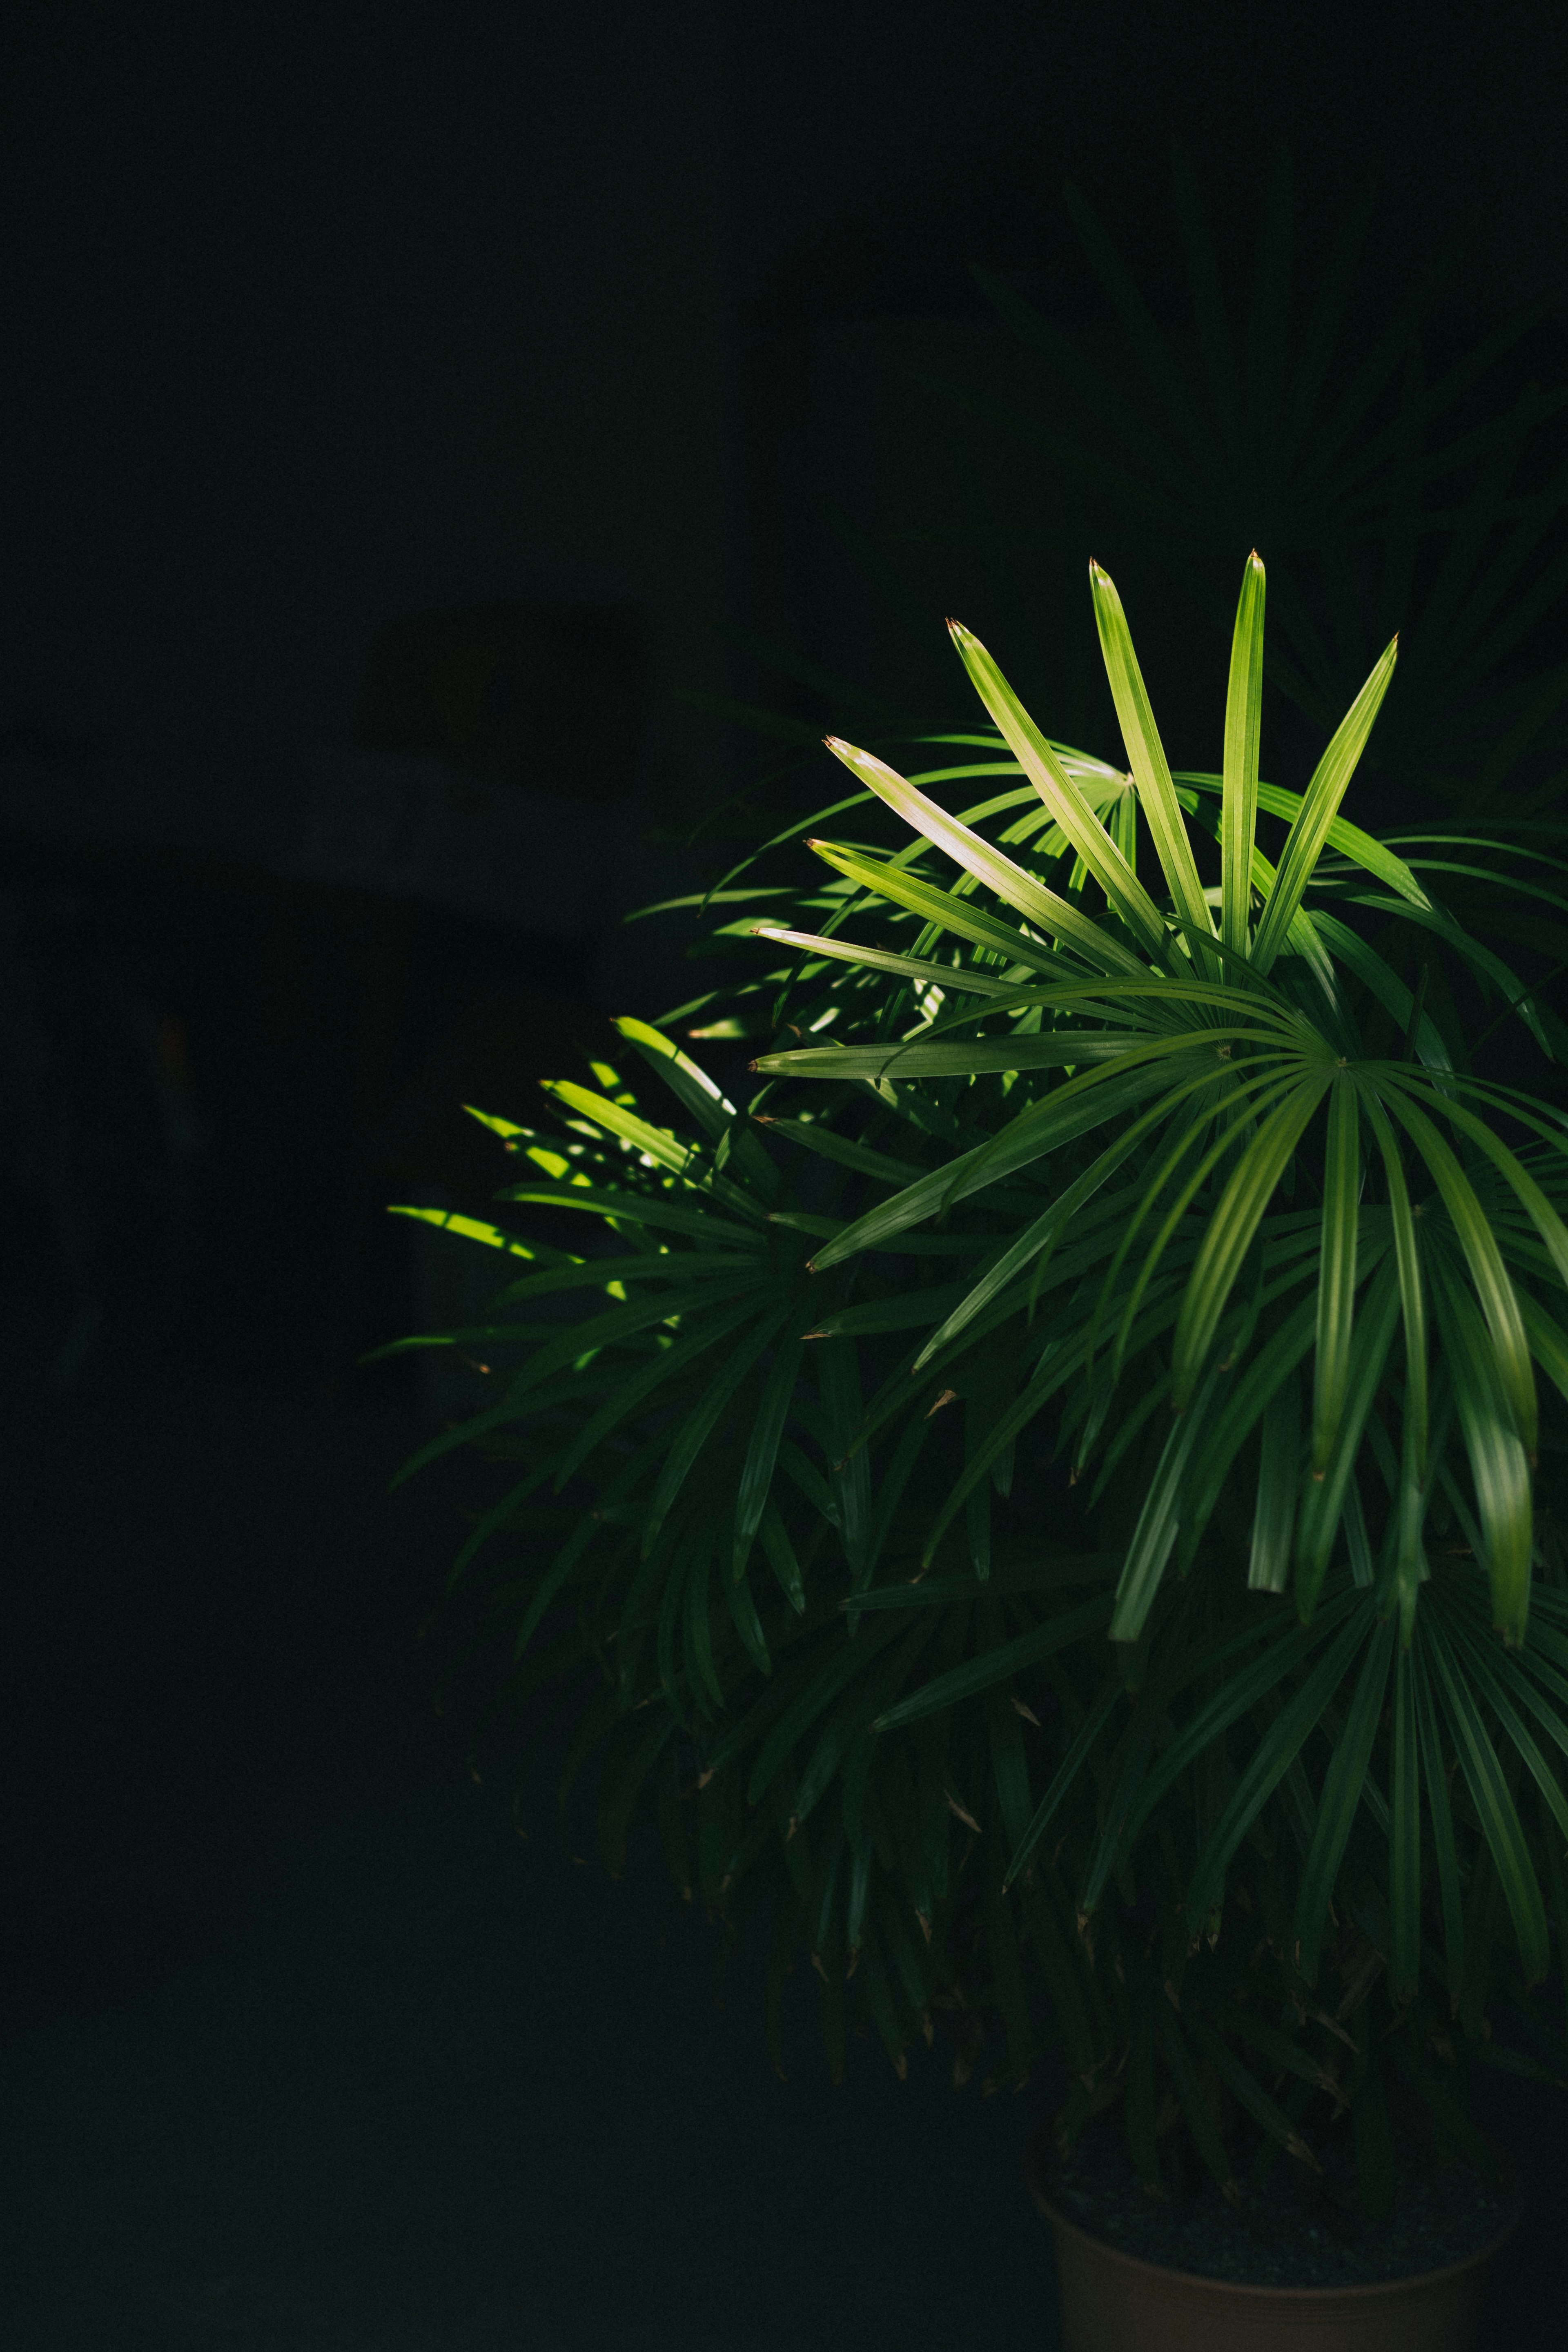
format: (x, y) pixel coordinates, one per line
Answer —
(1049, 1495)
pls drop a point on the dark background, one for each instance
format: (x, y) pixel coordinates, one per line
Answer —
(352, 357)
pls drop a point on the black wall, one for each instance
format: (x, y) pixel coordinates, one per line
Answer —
(316, 319)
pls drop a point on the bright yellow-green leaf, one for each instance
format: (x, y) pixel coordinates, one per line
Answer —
(1016, 888)
(1151, 768)
(1062, 796)
(944, 909)
(683, 1159)
(1243, 718)
(471, 1229)
(1305, 841)
(960, 980)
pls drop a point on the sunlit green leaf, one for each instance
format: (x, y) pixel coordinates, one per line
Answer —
(1146, 757)
(944, 909)
(682, 1160)
(963, 980)
(1054, 916)
(1320, 805)
(1243, 713)
(1066, 803)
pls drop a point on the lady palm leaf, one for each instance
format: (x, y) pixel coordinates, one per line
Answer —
(1342, 1795)
(1337, 1274)
(1362, 849)
(700, 1422)
(1410, 1567)
(1279, 1480)
(915, 968)
(1146, 756)
(1101, 853)
(942, 910)
(1075, 1110)
(1479, 1243)
(1155, 1533)
(1236, 1220)
(1054, 915)
(1499, 1464)
(1490, 1794)
(1320, 807)
(1329, 1491)
(1275, 1753)
(1243, 717)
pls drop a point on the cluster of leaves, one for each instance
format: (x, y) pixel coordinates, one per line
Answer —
(1049, 1492)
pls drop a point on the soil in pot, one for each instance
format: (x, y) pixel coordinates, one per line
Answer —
(1295, 2228)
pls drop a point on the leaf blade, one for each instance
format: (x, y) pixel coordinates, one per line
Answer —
(1061, 796)
(1337, 1269)
(1230, 1232)
(1320, 807)
(1015, 888)
(1151, 769)
(1243, 719)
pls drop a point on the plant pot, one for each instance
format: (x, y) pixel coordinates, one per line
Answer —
(1112, 2302)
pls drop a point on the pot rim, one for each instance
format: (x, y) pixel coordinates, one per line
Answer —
(1318, 2296)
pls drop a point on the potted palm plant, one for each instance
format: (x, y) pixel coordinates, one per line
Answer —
(1051, 1499)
